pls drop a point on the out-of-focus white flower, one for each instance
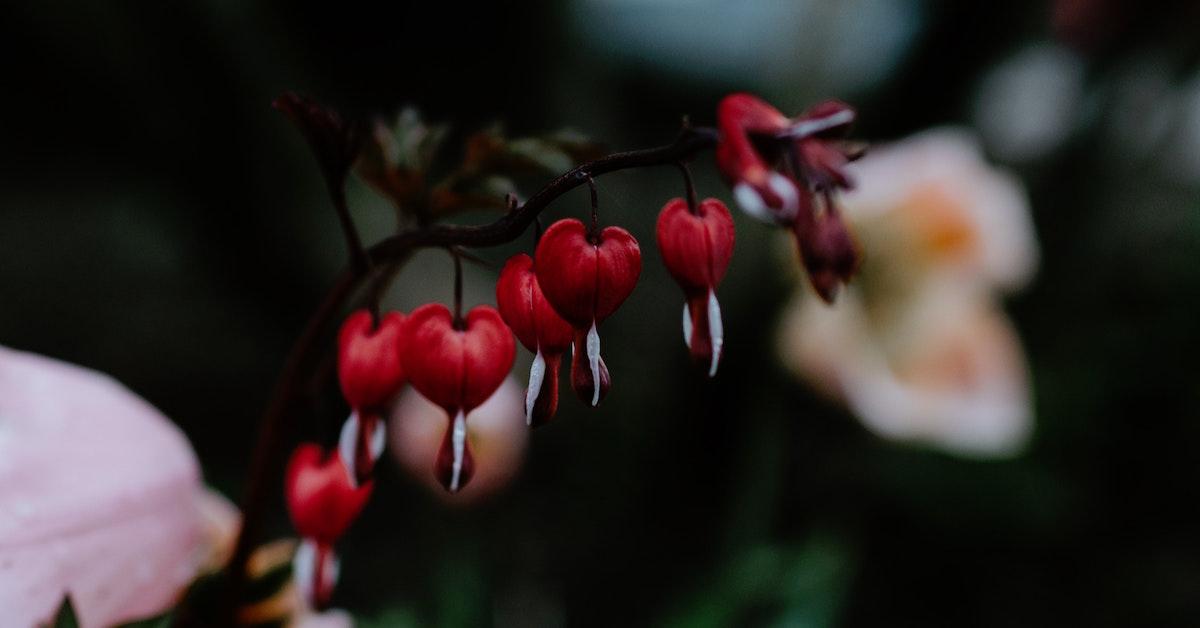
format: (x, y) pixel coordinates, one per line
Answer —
(918, 347)
(100, 497)
(496, 430)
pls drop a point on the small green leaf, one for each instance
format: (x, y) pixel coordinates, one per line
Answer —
(65, 618)
(158, 621)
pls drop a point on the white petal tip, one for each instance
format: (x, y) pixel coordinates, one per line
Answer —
(593, 353)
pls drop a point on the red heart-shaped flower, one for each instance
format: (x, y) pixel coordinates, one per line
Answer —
(586, 276)
(321, 499)
(696, 249)
(369, 366)
(759, 191)
(457, 369)
(525, 309)
(539, 327)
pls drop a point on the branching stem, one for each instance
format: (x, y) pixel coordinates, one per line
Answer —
(389, 253)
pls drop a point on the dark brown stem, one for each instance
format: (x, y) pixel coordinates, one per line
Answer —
(391, 251)
(690, 187)
(272, 433)
(594, 230)
(359, 260)
(458, 287)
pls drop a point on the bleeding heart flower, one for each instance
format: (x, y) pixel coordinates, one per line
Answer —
(323, 502)
(371, 373)
(369, 366)
(320, 498)
(759, 190)
(696, 249)
(457, 365)
(586, 276)
(538, 327)
(778, 166)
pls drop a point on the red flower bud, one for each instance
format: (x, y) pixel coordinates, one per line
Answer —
(696, 249)
(369, 366)
(585, 277)
(457, 367)
(827, 249)
(535, 323)
(320, 497)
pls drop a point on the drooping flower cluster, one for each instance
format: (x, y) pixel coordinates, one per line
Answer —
(784, 171)
(788, 171)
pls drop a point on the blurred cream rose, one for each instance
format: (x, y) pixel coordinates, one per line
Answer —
(919, 347)
(496, 432)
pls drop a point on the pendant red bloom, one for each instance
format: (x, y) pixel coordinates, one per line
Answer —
(535, 323)
(585, 277)
(696, 249)
(322, 503)
(370, 373)
(778, 167)
(759, 190)
(369, 366)
(457, 367)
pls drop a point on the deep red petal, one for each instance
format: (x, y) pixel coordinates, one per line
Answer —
(565, 264)
(525, 309)
(488, 352)
(370, 369)
(434, 355)
(321, 500)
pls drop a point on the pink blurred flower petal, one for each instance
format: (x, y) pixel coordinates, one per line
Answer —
(100, 496)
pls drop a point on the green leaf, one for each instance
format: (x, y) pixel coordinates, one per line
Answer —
(65, 617)
(158, 621)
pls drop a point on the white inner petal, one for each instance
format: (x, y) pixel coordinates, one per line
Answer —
(537, 372)
(786, 190)
(304, 565)
(687, 325)
(459, 440)
(378, 437)
(816, 125)
(751, 202)
(593, 354)
(716, 331)
(347, 440)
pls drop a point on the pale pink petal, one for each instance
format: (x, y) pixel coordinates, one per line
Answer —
(100, 496)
